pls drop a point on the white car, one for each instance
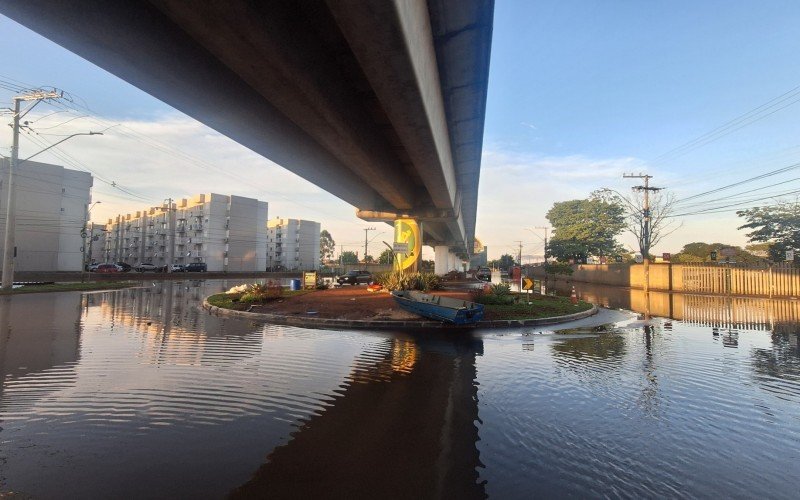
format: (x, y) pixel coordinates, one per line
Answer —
(146, 266)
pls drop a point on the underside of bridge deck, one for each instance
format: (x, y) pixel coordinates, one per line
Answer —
(379, 102)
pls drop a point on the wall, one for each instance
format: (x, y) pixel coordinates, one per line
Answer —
(51, 206)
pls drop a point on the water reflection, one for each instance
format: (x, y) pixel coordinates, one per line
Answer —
(717, 311)
(139, 393)
(404, 428)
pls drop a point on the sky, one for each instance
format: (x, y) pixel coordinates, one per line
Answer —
(580, 92)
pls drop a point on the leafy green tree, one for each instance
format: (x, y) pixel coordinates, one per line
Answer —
(701, 252)
(326, 246)
(584, 227)
(506, 261)
(369, 259)
(778, 225)
(349, 257)
(386, 257)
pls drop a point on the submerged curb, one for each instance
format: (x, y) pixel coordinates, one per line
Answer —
(334, 324)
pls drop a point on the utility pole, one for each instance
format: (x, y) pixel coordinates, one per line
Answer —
(645, 241)
(9, 250)
(520, 267)
(545, 241)
(171, 228)
(366, 241)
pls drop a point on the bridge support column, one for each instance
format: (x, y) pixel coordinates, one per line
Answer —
(441, 259)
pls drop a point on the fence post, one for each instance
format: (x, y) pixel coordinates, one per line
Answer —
(770, 281)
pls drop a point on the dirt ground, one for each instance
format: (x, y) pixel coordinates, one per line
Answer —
(348, 302)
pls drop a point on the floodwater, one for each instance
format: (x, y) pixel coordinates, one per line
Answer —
(137, 393)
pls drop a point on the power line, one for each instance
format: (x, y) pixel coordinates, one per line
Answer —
(754, 115)
(751, 179)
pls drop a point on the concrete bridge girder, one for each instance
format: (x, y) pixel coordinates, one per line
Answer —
(379, 102)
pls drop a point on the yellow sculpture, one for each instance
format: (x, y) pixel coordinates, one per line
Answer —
(406, 232)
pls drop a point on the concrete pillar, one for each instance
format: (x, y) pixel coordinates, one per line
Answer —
(454, 261)
(441, 259)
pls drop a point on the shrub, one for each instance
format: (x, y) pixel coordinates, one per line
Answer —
(499, 294)
(397, 280)
(261, 292)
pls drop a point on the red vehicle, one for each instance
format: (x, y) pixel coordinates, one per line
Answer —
(107, 268)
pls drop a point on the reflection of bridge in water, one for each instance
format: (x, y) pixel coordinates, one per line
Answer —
(723, 311)
(403, 427)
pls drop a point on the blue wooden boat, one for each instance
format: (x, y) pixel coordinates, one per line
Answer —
(436, 307)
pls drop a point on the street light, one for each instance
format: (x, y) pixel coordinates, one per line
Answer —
(9, 249)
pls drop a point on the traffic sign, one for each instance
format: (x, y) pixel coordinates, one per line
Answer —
(728, 252)
(400, 247)
(713, 255)
(527, 284)
(310, 280)
(666, 256)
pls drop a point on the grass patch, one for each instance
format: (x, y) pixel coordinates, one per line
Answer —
(542, 306)
(231, 300)
(71, 287)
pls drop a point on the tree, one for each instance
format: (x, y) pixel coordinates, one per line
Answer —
(349, 257)
(506, 261)
(368, 259)
(584, 227)
(386, 257)
(701, 252)
(778, 225)
(662, 205)
(326, 246)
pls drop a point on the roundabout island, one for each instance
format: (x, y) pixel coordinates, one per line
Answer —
(357, 308)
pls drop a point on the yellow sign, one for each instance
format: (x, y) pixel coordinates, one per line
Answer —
(310, 280)
(406, 231)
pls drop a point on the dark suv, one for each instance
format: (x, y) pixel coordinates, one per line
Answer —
(196, 267)
(355, 278)
(484, 274)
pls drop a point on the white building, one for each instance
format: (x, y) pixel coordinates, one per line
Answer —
(293, 244)
(52, 204)
(227, 233)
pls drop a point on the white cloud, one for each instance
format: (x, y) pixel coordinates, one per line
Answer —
(176, 156)
(517, 190)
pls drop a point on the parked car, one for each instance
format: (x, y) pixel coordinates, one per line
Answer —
(107, 268)
(123, 266)
(146, 266)
(196, 267)
(92, 267)
(484, 274)
(178, 268)
(355, 278)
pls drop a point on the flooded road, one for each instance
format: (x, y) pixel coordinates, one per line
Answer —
(139, 393)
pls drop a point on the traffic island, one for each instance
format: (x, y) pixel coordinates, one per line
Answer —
(355, 307)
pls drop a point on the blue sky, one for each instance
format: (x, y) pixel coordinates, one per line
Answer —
(580, 92)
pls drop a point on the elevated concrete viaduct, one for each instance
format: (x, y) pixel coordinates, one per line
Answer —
(379, 102)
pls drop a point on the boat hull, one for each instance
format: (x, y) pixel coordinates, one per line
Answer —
(449, 310)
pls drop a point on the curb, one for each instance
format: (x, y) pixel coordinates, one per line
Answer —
(349, 324)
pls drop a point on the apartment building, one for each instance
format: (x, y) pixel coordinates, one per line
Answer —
(293, 244)
(227, 233)
(52, 204)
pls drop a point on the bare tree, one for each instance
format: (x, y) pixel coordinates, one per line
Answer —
(662, 205)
